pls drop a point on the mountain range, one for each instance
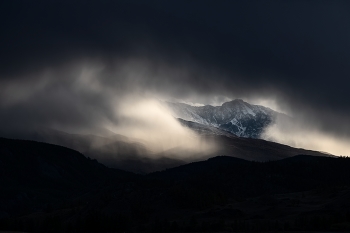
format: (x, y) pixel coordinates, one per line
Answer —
(64, 182)
(121, 152)
(217, 126)
(237, 117)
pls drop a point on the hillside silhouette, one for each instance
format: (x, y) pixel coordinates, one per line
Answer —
(49, 188)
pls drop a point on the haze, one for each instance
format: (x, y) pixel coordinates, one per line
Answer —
(76, 74)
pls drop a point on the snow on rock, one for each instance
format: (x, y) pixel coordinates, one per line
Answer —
(237, 117)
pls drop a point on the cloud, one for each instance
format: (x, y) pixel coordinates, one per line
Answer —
(146, 120)
(89, 97)
(69, 64)
(306, 135)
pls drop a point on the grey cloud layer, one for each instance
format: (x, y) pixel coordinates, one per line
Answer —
(292, 51)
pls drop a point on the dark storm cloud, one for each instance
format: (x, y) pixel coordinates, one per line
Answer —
(295, 51)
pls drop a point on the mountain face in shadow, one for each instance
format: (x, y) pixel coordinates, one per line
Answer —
(244, 148)
(298, 193)
(241, 178)
(34, 174)
(114, 150)
(120, 152)
(237, 117)
(49, 188)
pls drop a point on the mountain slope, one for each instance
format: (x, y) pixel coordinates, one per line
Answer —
(231, 179)
(114, 150)
(122, 153)
(33, 174)
(238, 117)
(205, 129)
(244, 148)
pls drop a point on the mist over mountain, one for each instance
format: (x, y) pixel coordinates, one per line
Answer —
(130, 154)
(112, 150)
(174, 116)
(237, 117)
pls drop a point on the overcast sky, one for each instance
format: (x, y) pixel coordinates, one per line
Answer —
(70, 63)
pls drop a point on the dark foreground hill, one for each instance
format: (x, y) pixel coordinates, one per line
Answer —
(48, 188)
(37, 176)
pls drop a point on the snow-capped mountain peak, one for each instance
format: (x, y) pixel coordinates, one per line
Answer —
(236, 116)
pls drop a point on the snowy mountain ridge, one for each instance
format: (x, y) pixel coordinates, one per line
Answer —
(236, 116)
